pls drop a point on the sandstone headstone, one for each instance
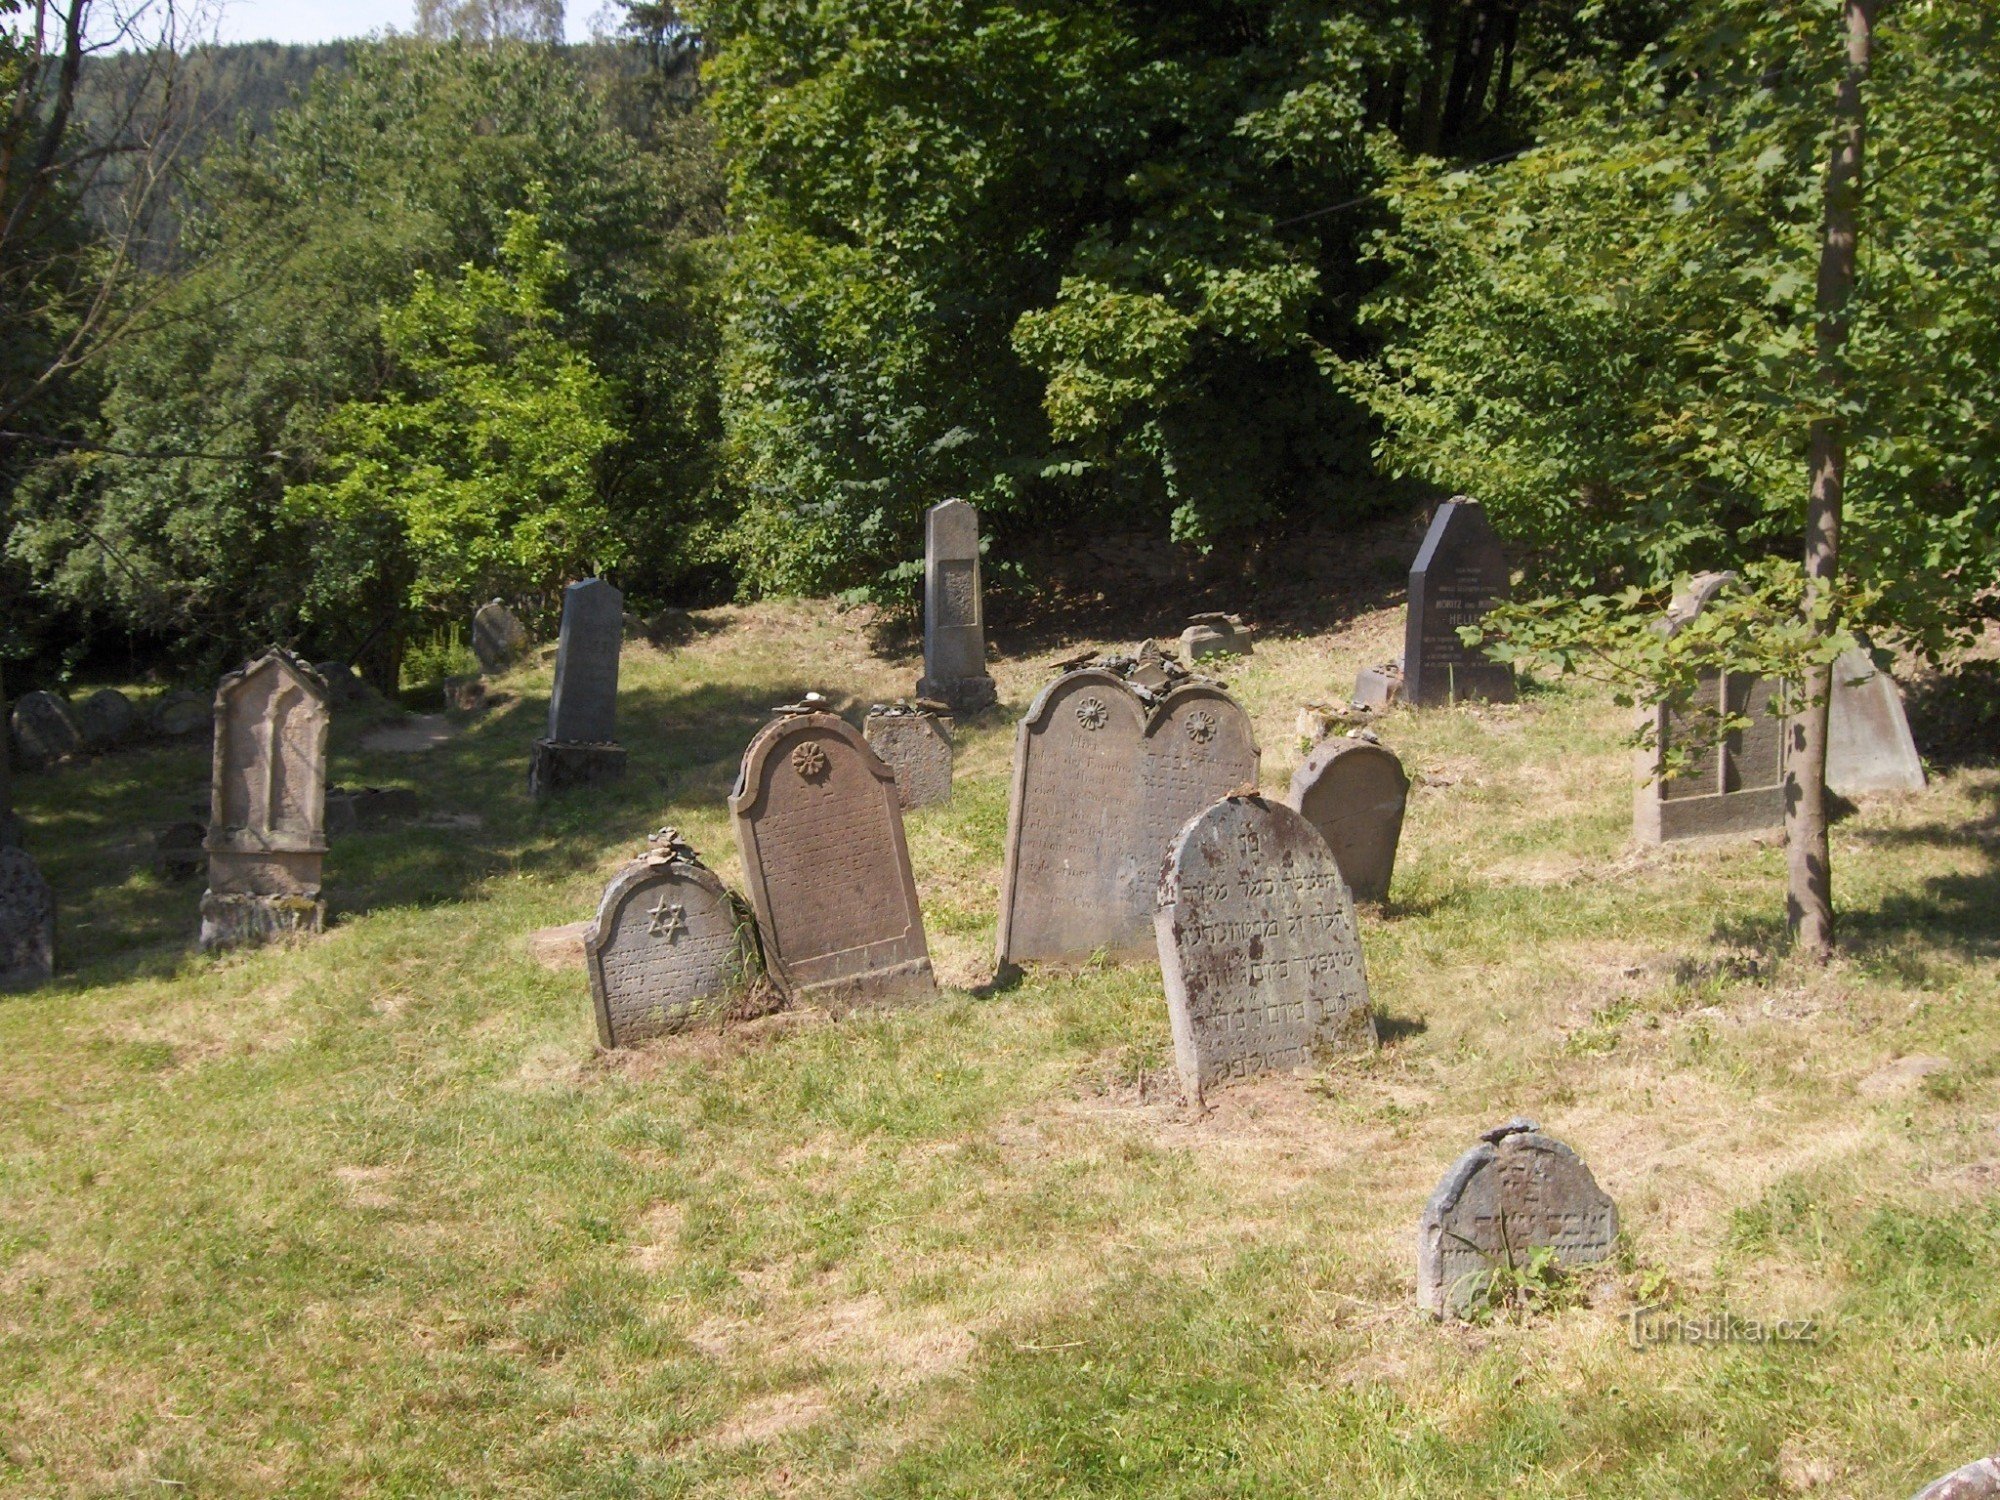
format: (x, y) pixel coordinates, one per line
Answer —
(27, 923)
(1103, 781)
(1214, 635)
(916, 748)
(1516, 1192)
(181, 713)
(669, 948)
(954, 611)
(826, 865)
(1460, 573)
(267, 827)
(1868, 745)
(1258, 945)
(44, 729)
(105, 718)
(1976, 1481)
(1354, 792)
(1380, 686)
(580, 748)
(498, 638)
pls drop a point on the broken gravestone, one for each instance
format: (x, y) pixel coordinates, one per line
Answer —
(581, 747)
(27, 923)
(1105, 774)
(105, 718)
(267, 825)
(1516, 1192)
(1214, 635)
(913, 744)
(1259, 950)
(1976, 1481)
(498, 638)
(669, 948)
(45, 729)
(1354, 792)
(1869, 747)
(828, 871)
(1460, 573)
(954, 610)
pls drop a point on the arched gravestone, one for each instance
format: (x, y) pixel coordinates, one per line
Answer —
(1516, 1192)
(1976, 1481)
(27, 923)
(45, 729)
(827, 867)
(267, 824)
(1103, 779)
(498, 638)
(1354, 793)
(1460, 573)
(1869, 747)
(1259, 949)
(669, 948)
(915, 747)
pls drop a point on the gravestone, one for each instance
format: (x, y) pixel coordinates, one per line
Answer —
(954, 612)
(1354, 793)
(826, 865)
(343, 683)
(177, 850)
(1104, 777)
(580, 748)
(498, 638)
(1460, 573)
(27, 923)
(105, 718)
(1214, 635)
(1976, 1481)
(1380, 686)
(181, 713)
(1258, 945)
(1735, 786)
(351, 809)
(1516, 1192)
(10, 826)
(267, 821)
(1869, 747)
(915, 746)
(44, 729)
(669, 948)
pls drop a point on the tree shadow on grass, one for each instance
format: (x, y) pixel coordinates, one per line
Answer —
(1958, 912)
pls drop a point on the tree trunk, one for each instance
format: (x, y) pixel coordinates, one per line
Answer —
(1809, 866)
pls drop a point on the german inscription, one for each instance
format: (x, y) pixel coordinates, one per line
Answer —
(1460, 573)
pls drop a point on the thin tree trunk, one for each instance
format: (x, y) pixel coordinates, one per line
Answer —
(1809, 866)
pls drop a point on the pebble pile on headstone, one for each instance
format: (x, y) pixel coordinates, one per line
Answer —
(670, 947)
(581, 747)
(1460, 573)
(915, 745)
(954, 611)
(1354, 792)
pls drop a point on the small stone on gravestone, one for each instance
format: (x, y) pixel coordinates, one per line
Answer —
(1976, 1481)
(105, 718)
(580, 748)
(1869, 747)
(44, 729)
(1516, 1192)
(498, 638)
(1354, 792)
(669, 946)
(916, 748)
(1214, 634)
(1259, 949)
(954, 610)
(27, 923)
(181, 713)
(1460, 573)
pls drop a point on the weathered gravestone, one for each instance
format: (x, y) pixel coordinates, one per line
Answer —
(1103, 780)
(1214, 634)
(1976, 1481)
(181, 713)
(498, 638)
(954, 613)
(669, 948)
(581, 748)
(1516, 1192)
(27, 922)
(343, 683)
(267, 821)
(1259, 950)
(914, 746)
(1869, 747)
(44, 729)
(1734, 786)
(105, 718)
(826, 865)
(1460, 573)
(1354, 793)
(10, 826)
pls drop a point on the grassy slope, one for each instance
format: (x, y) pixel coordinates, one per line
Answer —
(374, 1214)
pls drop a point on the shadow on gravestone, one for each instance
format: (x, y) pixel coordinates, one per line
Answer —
(1355, 792)
(581, 746)
(1460, 573)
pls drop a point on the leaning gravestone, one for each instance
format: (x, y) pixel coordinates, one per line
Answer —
(954, 611)
(1103, 780)
(45, 729)
(669, 947)
(267, 824)
(1869, 747)
(1460, 573)
(498, 638)
(827, 867)
(1354, 793)
(1516, 1192)
(27, 923)
(914, 745)
(1976, 1481)
(1259, 950)
(581, 748)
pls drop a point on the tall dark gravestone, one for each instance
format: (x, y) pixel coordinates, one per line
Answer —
(581, 746)
(669, 948)
(1460, 574)
(1354, 793)
(828, 871)
(954, 611)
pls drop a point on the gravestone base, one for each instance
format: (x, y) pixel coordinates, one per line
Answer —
(1757, 810)
(901, 984)
(963, 695)
(244, 921)
(558, 765)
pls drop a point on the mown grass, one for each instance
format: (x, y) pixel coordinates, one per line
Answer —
(373, 1214)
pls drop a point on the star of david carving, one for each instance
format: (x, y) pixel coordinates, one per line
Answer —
(669, 922)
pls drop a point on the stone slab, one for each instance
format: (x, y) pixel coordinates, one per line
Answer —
(1215, 635)
(954, 610)
(27, 923)
(556, 768)
(583, 708)
(1354, 792)
(669, 949)
(1259, 950)
(1869, 747)
(1460, 573)
(45, 729)
(498, 637)
(916, 748)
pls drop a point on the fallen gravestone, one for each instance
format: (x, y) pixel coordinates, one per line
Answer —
(1976, 1481)
(826, 865)
(1104, 776)
(105, 718)
(27, 923)
(181, 713)
(1354, 792)
(1258, 945)
(669, 948)
(498, 638)
(1214, 635)
(954, 611)
(1460, 573)
(914, 746)
(1378, 687)
(1868, 743)
(581, 748)
(44, 729)
(1516, 1192)
(267, 827)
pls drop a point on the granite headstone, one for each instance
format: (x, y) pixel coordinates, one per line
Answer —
(954, 610)
(669, 947)
(27, 922)
(915, 746)
(1354, 792)
(1460, 573)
